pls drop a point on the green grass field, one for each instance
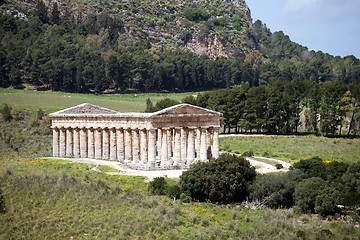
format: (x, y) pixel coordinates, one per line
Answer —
(54, 199)
(293, 148)
(54, 101)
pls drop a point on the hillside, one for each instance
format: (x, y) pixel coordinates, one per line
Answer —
(151, 46)
(214, 28)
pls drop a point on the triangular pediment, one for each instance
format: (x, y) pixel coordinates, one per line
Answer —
(186, 109)
(85, 109)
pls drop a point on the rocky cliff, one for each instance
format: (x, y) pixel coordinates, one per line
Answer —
(211, 27)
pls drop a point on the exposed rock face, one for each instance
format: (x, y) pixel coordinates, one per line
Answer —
(210, 46)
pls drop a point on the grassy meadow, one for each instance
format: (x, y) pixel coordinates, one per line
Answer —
(54, 199)
(54, 101)
(293, 148)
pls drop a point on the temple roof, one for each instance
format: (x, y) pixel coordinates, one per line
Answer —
(185, 109)
(84, 109)
(87, 109)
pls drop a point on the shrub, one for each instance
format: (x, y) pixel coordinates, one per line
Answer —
(326, 200)
(279, 166)
(352, 177)
(40, 114)
(274, 190)
(225, 179)
(315, 167)
(6, 113)
(250, 153)
(2, 202)
(158, 186)
(314, 195)
(185, 198)
(17, 113)
(34, 122)
(173, 191)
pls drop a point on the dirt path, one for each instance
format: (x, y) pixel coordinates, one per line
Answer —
(261, 167)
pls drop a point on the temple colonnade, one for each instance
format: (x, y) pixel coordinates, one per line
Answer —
(164, 147)
(173, 138)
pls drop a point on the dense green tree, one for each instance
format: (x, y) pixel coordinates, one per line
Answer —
(225, 179)
(275, 106)
(352, 177)
(326, 201)
(164, 103)
(331, 113)
(41, 11)
(316, 167)
(306, 193)
(255, 108)
(55, 14)
(276, 191)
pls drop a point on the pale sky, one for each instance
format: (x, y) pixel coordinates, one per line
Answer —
(331, 26)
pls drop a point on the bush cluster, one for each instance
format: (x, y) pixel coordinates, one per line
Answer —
(314, 186)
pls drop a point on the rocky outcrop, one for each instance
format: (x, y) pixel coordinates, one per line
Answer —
(210, 46)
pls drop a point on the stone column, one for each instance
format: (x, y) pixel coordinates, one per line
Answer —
(98, 143)
(91, 143)
(83, 146)
(69, 142)
(164, 154)
(128, 145)
(62, 142)
(203, 153)
(113, 144)
(159, 141)
(198, 138)
(77, 142)
(152, 147)
(169, 144)
(208, 144)
(144, 146)
(215, 148)
(177, 147)
(56, 142)
(191, 147)
(183, 144)
(105, 144)
(136, 146)
(120, 144)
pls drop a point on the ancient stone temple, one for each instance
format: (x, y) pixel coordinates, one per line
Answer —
(172, 138)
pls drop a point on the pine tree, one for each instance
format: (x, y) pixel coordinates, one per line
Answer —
(55, 14)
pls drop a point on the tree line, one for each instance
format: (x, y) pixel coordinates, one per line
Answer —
(281, 108)
(57, 52)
